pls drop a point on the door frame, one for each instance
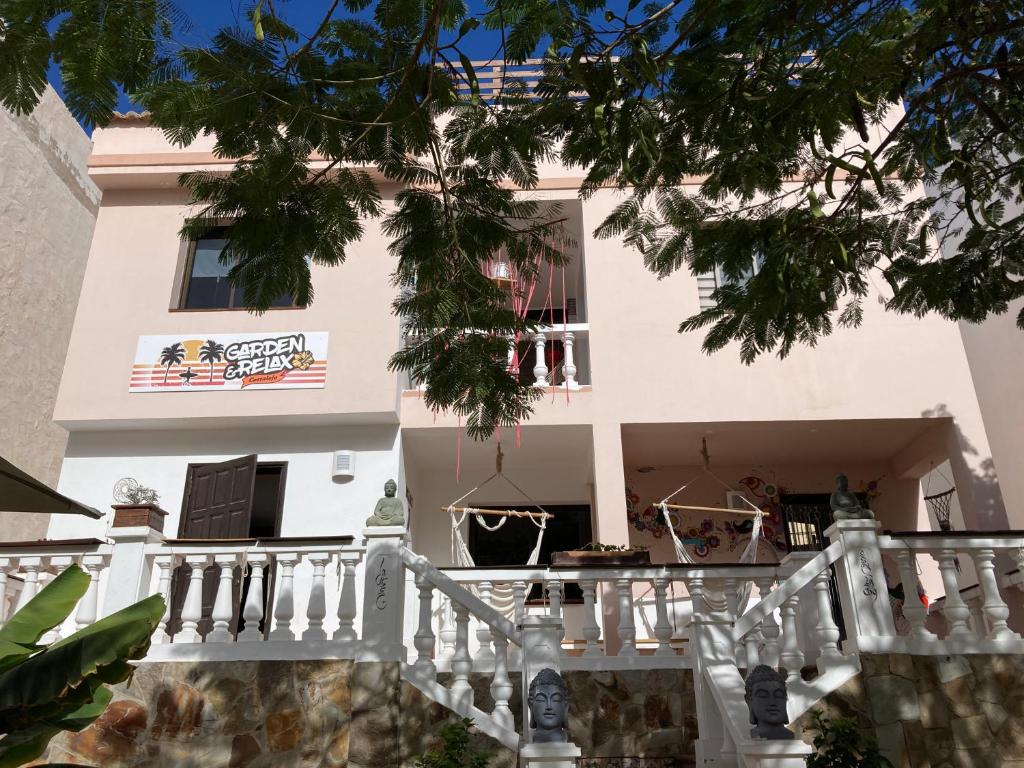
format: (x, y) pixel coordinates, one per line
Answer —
(278, 515)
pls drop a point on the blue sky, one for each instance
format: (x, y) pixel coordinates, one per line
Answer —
(207, 16)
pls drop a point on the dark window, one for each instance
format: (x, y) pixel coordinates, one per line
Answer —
(206, 278)
(512, 543)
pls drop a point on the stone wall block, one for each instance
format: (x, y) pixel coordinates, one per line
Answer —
(892, 699)
(971, 732)
(959, 694)
(934, 710)
(893, 744)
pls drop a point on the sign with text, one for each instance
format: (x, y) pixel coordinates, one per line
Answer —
(267, 360)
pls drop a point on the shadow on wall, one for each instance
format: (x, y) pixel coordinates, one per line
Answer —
(986, 499)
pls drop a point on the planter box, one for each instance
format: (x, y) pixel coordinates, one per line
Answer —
(135, 515)
(586, 557)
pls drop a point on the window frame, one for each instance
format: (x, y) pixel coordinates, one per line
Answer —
(186, 280)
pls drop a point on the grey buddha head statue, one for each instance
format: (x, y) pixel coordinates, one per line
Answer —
(766, 699)
(390, 489)
(549, 707)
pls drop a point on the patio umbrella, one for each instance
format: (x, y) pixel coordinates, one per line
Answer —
(19, 492)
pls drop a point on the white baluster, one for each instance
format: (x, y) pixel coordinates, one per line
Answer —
(5, 566)
(165, 564)
(284, 610)
(791, 658)
(224, 604)
(591, 629)
(662, 626)
(424, 637)
(447, 631)
(826, 629)
(501, 685)
(569, 339)
(913, 609)
(769, 626)
(954, 609)
(347, 600)
(553, 589)
(192, 610)
(316, 610)
(484, 654)
(30, 582)
(977, 621)
(88, 608)
(627, 628)
(540, 367)
(995, 609)
(252, 612)
(730, 589)
(519, 589)
(752, 643)
(462, 662)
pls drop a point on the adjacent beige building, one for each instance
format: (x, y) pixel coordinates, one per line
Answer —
(48, 209)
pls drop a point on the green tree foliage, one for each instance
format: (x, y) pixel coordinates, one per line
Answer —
(64, 686)
(838, 744)
(455, 750)
(778, 115)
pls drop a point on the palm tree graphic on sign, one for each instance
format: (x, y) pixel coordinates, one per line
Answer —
(211, 352)
(171, 355)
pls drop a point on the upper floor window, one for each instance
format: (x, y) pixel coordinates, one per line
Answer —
(707, 282)
(206, 284)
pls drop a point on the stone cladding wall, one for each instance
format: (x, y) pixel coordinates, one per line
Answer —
(937, 711)
(280, 714)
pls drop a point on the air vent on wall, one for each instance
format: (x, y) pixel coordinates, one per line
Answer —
(736, 500)
(344, 466)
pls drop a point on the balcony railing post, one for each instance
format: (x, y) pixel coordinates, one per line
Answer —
(253, 610)
(31, 566)
(569, 339)
(223, 604)
(284, 610)
(540, 366)
(995, 609)
(5, 566)
(383, 595)
(130, 572)
(192, 610)
(662, 626)
(316, 609)
(955, 610)
(769, 627)
(862, 586)
(347, 599)
(627, 626)
(88, 607)
(484, 653)
(591, 629)
(913, 608)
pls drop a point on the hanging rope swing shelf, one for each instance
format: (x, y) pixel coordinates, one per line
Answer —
(498, 512)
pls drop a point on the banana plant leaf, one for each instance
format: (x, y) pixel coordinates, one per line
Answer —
(64, 686)
(47, 609)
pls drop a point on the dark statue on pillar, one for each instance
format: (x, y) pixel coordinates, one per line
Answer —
(389, 510)
(766, 699)
(549, 708)
(846, 505)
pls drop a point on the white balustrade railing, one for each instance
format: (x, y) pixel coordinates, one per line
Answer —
(571, 369)
(976, 618)
(27, 567)
(312, 582)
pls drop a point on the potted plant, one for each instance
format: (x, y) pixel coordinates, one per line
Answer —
(596, 553)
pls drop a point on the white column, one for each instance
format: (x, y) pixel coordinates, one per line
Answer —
(501, 685)
(284, 610)
(913, 608)
(383, 595)
(954, 609)
(424, 637)
(484, 654)
(627, 628)
(860, 579)
(769, 626)
(254, 600)
(192, 610)
(88, 607)
(540, 367)
(347, 599)
(316, 610)
(462, 662)
(662, 626)
(30, 583)
(791, 657)
(591, 629)
(131, 570)
(541, 650)
(826, 629)
(570, 360)
(995, 609)
(224, 603)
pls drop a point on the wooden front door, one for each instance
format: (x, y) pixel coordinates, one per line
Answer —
(217, 505)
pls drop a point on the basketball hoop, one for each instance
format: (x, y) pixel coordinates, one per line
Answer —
(939, 504)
